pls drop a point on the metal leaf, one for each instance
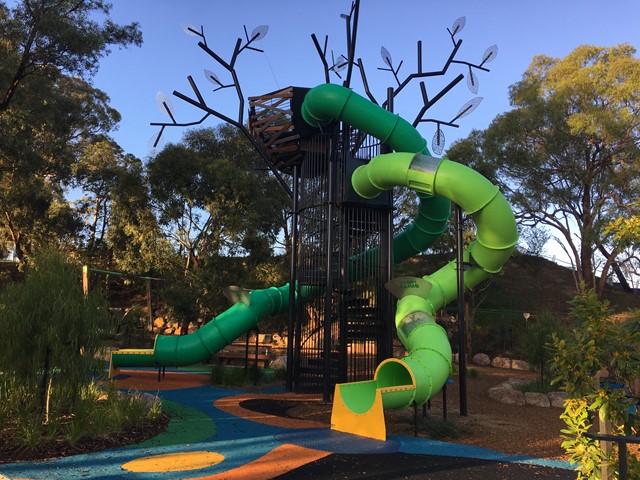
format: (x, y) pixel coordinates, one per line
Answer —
(190, 29)
(340, 64)
(155, 143)
(386, 57)
(472, 81)
(438, 141)
(467, 108)
(490, 54)
(163, 102)
(458, 25)
(212, 77)
(259, 32)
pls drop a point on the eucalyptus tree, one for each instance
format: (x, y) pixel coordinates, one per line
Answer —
(213, 197)
(568, 153)
(49, 111)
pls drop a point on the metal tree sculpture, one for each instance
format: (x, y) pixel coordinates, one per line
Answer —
(241, 45)
(341, 62)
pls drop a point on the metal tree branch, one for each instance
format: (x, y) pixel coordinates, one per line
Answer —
(199, 101)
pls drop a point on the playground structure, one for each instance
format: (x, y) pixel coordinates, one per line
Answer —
(422, 373)
(336, 147)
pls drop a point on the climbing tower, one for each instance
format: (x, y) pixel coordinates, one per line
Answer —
(343, 329)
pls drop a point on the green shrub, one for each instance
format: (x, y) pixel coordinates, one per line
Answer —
(49, 317)
(440, 428)
(473, 373)
(537, 385)
(595, 344)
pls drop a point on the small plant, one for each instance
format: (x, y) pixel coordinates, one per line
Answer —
(77, 429)
(537, 385)
(439, 428)
(155, 409)
(577, 357)
(30, 431)
(473, 373)
(230, 376)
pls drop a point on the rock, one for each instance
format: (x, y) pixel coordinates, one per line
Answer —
(169, 331)
(508, 385)
(455, 358)
(481, 359)
(279, 363)
(537, 399)
(501, 362)
(557, 399)
(516, 382)
(507, 396)
(520, 365)
(159, 322)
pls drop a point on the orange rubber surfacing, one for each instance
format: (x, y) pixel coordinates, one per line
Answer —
(174, 462)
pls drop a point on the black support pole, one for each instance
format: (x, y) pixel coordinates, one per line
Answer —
(293, 273)
(462, 360)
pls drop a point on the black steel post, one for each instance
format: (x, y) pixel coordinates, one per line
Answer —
(293, 273)
(328, 296)
(462, 360)
(390, 310)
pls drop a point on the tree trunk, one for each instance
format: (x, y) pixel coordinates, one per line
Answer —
(44, 381)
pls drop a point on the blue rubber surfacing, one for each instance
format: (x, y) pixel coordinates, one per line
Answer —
(242, 441)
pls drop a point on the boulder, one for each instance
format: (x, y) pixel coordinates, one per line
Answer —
(507, 384)
(279, 363)
(516, 382)
(159, 322)
(481, 359)
(520, 365)
(537, 399)
(557, 399)
(169, 331)
(501, 362)
(507, 396)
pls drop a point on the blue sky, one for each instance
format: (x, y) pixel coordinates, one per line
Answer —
(132, 77)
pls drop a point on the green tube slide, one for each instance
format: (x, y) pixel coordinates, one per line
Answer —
(425, 369)
(428, 225)
(176, 351)
(428, 362)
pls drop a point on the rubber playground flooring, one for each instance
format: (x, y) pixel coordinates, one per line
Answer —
(211, 437)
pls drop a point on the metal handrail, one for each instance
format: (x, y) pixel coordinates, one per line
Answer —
(622, 441)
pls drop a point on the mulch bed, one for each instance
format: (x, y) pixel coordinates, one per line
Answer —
(12, 453)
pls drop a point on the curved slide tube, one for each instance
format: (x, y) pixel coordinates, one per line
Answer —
(358, 407)
(423, 372)
(174, 351)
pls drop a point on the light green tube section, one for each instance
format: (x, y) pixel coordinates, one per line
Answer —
(495, 239)
(428, 362)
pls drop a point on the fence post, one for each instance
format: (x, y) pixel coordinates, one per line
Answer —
(607, 447)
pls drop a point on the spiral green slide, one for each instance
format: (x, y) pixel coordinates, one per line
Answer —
(359, 407)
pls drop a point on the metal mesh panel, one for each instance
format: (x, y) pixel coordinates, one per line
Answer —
(341, 330)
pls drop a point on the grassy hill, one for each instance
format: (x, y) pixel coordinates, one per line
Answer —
(526, 284)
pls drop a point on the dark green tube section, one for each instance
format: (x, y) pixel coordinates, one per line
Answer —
(176, 351)
(326, 103)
